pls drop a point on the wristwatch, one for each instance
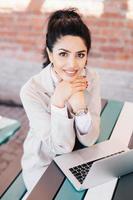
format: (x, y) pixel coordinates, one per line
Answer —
(80, 112)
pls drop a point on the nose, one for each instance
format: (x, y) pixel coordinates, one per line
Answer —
(72, 62)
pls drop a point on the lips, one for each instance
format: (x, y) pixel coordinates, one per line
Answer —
(70, 73)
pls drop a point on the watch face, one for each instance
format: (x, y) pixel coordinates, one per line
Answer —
(82, 112)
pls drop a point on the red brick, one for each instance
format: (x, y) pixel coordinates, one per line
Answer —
(112, 15)
(112, 33)
(130, 24)
(114, 49)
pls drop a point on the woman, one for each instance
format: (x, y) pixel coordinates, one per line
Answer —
(62, 102)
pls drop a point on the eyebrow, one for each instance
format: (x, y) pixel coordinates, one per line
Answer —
(70, 51)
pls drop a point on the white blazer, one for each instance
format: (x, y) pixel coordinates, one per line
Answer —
(51, 133)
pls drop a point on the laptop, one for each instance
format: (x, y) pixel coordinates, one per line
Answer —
(95, 165)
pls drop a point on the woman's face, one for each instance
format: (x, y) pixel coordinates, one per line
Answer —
(69, 57)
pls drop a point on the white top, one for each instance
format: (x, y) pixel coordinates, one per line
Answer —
(51, 131)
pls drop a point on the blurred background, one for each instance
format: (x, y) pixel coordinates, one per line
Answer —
(22, 39)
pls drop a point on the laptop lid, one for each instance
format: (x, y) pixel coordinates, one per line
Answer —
(99, 150)
(106, 169)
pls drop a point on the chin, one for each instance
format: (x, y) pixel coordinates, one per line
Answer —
(67, 78)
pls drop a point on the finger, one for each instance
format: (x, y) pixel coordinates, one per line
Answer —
(79, 82)
(79, 85)
(76, 84)
(78, 89)
(79, 79)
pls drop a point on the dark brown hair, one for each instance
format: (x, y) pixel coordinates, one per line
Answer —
(65, 22)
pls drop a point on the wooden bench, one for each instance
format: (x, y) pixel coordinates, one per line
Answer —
(60, 188)
(12, 185)
(13, 170)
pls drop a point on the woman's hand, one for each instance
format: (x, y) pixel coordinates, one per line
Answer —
(64, 90)
(77, 101)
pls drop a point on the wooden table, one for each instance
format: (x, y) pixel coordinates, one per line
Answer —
(116, 121)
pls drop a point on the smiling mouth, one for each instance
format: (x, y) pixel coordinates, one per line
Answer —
(70, 73)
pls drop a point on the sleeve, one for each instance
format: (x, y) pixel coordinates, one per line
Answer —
(83, 123)
(55, 130)
(93, 101)
(60, 111)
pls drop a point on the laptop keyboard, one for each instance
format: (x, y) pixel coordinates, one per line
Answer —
(81, 171)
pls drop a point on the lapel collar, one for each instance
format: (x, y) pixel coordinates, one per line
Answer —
(47, 80)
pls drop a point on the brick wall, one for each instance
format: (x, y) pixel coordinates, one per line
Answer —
(22, 35)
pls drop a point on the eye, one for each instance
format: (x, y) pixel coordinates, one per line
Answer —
(63, 54)
(81, 55)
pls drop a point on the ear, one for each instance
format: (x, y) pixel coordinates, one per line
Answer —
(50, 55)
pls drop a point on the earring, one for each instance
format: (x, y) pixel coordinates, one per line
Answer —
(85, 63)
